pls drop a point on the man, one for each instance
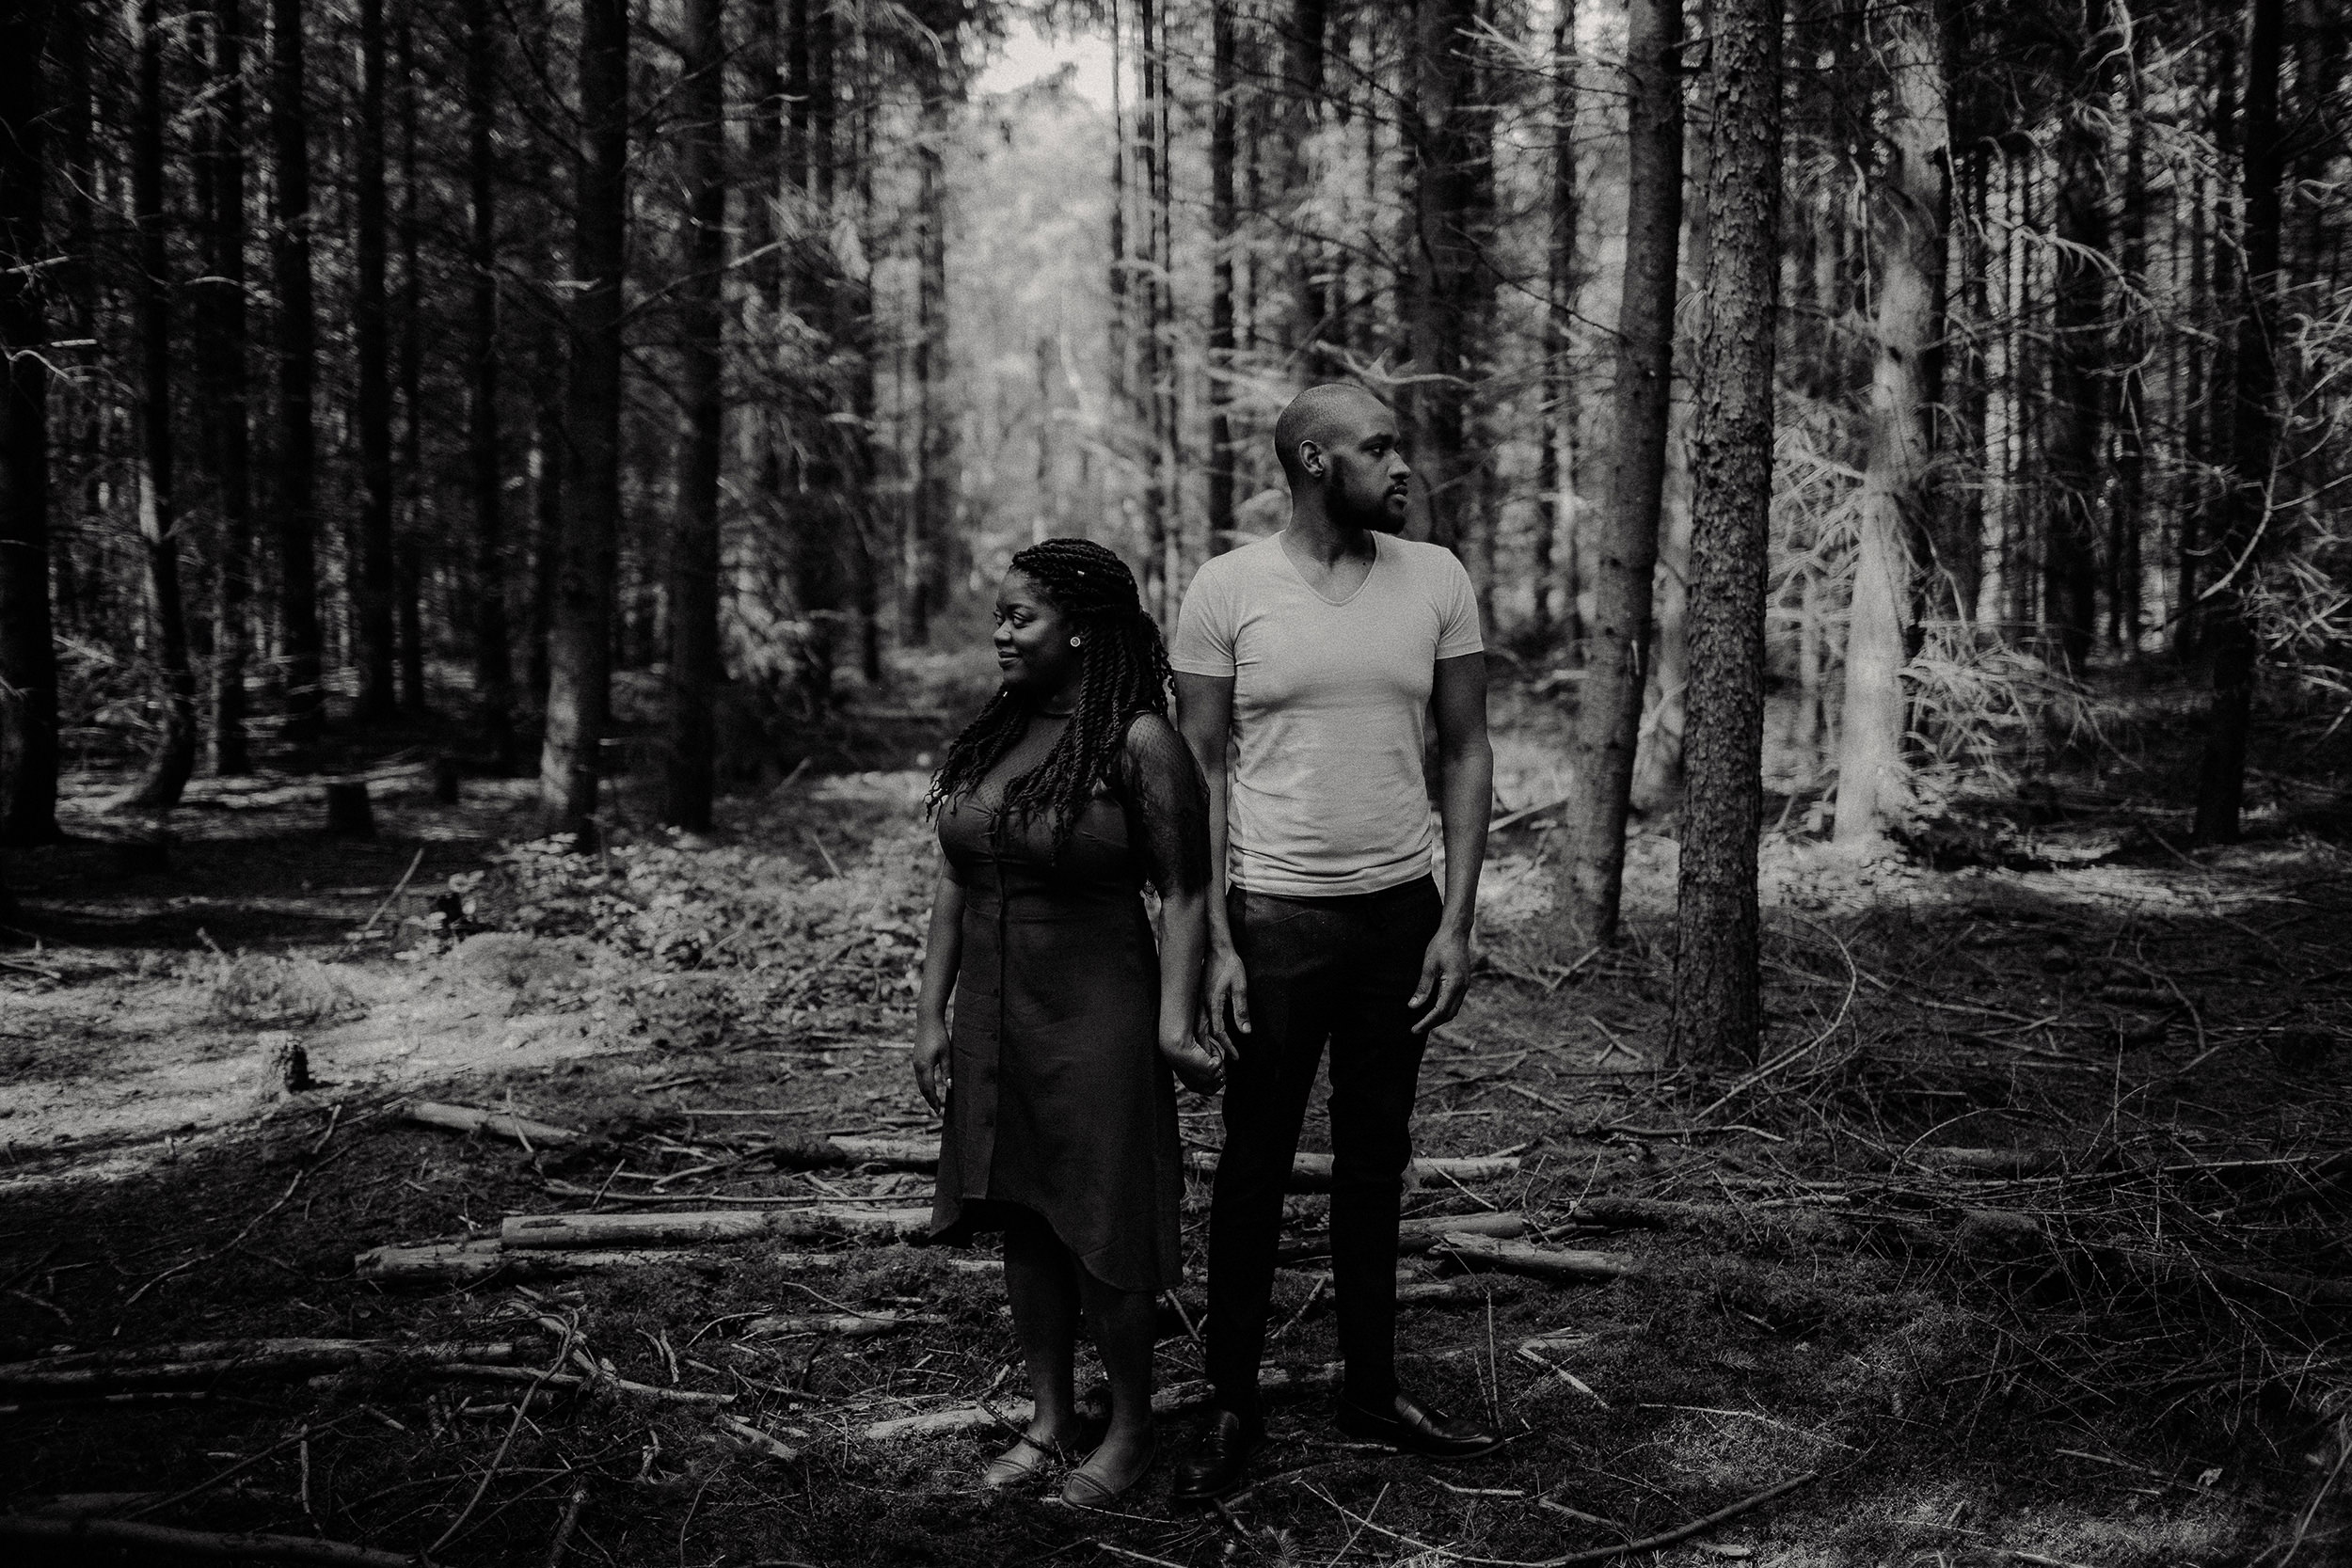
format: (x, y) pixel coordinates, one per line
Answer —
(1318, 656)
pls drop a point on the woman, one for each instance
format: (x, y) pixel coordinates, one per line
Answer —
(1068, 792)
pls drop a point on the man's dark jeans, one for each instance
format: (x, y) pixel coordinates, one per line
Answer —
(1338, 969)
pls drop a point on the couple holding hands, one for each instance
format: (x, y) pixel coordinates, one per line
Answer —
(1283, 815)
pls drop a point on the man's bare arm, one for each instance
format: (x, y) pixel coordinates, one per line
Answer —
(1205, 715)
(1466, 768)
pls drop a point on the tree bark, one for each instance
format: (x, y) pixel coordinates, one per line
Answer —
(926, 545)
(1449, 146)
(295, 456)
(1224, 85)
(1624, 547)
(1312, 319)
(28, 668)
(410, 537)
(373, 405)
(1555, 564)
(493, 658)
(1665, 705)
(2129, 355)
(579, 654)
(174, 758)
(1911, 212)
(228, 391)
(694, 665)
(2077, 360)
(1716, 991)
(2229, 632)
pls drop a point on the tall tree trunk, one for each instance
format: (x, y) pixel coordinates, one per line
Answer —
(1555, 564)
(1959, 533)
(2254, 441)
(2208, 513)
(1311, 318)
(1121, 327)
(227, 392)
(1665, 706)
(931, 517)
(1625, 545)
(854, 303)
(373, 406)
(295, 453)
(1449, 148)
(2130, 352)
(579, 654)
(1910, 211)
(28, 668)
(1718, 1012)
(1161, 500)
(174, 759)
(2079, 358)
(693, 667)
(1224, 85)
(493, 660)
(410, 537)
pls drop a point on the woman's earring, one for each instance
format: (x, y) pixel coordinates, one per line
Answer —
(1078, 642)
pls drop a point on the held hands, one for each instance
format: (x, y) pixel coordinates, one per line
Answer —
(931, 1069)
(1445, 969)
(1200, 1065)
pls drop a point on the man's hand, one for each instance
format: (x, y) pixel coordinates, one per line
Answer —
(1444, 977)
(931, 1069)
(1228, 987)
(1197, 1063)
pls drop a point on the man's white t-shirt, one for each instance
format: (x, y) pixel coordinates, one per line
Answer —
(1331, 710)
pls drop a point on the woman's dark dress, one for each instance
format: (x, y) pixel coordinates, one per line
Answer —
(1059, 1101)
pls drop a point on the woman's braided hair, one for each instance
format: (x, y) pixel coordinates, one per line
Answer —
(1123, 672)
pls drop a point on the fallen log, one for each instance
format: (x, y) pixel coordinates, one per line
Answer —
(1474, 1290)
(471, 1262)
(164, 1365)
(848, 1325)
(1416, 1235)
(566, 1232)
(1993, 1162)
(503, 1124)
(1541, 1262)
(1312, 1173)
(597, 1379)
(846, 1149)
(213, 1545)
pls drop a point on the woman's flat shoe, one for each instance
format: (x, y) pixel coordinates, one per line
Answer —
(1022, 1463)
(1086, 1488)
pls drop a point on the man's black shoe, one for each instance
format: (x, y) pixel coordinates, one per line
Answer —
(1409, 1427)
(1220, 1462)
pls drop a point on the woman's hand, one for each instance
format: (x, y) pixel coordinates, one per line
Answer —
(1200, 1065)
(931, 1069)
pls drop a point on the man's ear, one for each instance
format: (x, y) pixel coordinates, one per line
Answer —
(1310, 458)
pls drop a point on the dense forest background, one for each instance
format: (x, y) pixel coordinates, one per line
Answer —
(483, 360)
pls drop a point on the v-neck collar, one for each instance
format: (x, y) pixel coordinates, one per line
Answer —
(1378, 556)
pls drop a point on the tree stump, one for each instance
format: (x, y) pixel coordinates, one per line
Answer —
(445, 781)
(348, 814)
(289, 1063)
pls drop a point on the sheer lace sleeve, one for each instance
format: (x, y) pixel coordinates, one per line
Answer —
(1167, 804)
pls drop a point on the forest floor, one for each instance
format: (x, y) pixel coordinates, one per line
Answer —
(2024, 1245)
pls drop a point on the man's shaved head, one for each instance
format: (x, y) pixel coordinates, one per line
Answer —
(1329, 415)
